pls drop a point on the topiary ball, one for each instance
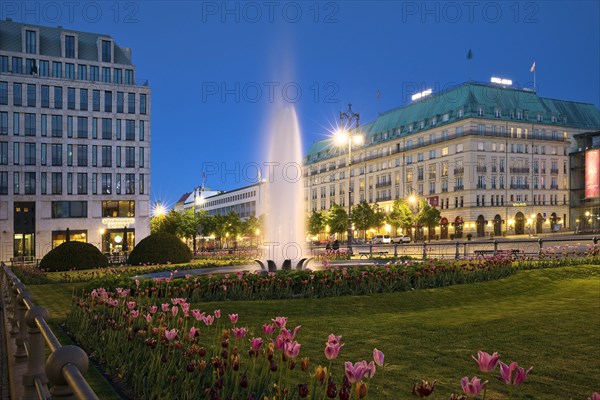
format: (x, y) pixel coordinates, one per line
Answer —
(73, 255)
(160, 248)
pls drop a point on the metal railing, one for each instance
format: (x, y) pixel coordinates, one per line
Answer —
(455, 249)
(65, 366)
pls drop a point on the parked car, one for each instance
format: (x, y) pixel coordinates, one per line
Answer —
(381, 239)
(400, 239)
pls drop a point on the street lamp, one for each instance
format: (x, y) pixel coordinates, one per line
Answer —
(414, 203)
(342, 136)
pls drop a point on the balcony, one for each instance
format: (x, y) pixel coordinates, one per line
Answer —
(383, 184)
(419, 177)
(481, 168)
(444, 190)
(459, 171)
(383, 198)
(519, 170)
(481, 186)
(554, 187)
(459, 187)
(554, 171)
(516, 186)
(494, 168)
(432, 176)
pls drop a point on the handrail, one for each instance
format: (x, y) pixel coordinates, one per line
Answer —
(66, 365)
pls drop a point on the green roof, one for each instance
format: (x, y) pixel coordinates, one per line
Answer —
(10, 40)
(468, 97)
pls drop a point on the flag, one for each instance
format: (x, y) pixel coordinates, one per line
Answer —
(532, 69)
(469, 55)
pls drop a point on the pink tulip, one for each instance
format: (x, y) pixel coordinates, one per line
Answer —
(165, 307)
(171, 334)
(233, 318)
(291, 349)
(174, 310)
(268, 329)
(279, 342)
(487, 362)
(332, 350)
(239, 333)
(197, 314)
(378, 357)
(595, 396)
(135, 313)
(94, 293)
(131, 305)
(208, 320)
(193, 332)
(472, 387)
(288, 335)
(217, 314)
(153, 309)
(185, 307)
(114, 303)
(354, 372)
(520, 375)
(177, 301)
(370, 369)
(280, 322)
(148, 318)
(256, 343)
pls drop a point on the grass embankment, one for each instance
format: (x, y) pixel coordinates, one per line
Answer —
(548, 319)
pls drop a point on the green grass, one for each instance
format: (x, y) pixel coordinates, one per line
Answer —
(548, 319)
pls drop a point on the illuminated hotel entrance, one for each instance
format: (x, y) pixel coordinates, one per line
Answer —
(24, 225)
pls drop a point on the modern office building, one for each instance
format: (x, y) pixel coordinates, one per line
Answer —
(585, 182)
(493, 159)
(193, 200)
(74, 141)
(247, 201)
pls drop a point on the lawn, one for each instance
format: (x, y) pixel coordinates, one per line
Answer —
(548, 319)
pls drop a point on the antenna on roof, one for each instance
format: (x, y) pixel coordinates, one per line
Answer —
(378, 102)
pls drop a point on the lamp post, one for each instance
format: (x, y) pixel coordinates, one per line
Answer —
(344, 135)
(412, 201)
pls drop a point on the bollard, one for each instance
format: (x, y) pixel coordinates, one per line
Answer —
(424, 251)
(495, 246)
(457, 255)
(396, 250)
(20, 352)
(35, 361)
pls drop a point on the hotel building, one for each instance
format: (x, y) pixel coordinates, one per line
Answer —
(74, 142)
(493, 159)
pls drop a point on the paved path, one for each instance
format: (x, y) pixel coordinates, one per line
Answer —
(4, 385)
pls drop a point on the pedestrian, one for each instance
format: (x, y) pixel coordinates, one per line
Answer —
(328, 246)
(336, 245)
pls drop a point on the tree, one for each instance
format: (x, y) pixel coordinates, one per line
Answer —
(428, 216)
(189, 224)
(251, 227)
(378, 216)
(316, 223)
(165, 223)
(337, 219)
(365, 216)
(401, 216)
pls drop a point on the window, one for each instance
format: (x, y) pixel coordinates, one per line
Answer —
(129, 129)
(57, 126)
(43, 153)
(143, 104)
(480, 129)
(142, 125)
(69, 126)
(82, 155)
(118, 129)
(71, 98)
(17, 65)
(106, 128)
(69, 183)
(129, 183)
(94, 183)
(83, 99)
(118, 209)
(131, 103)
(81, 183)
(16, 182)
(4, 64)
(94, 156)
(107, 101)
(4, 93)
(106, 51)
(141, 185)
(31, 42)
(3, 123)
(106, 183)
(82, 72)
(118, 183)
(16, 156)
(118, 156)
(56, 183)
(480, 146)
(16, 124)
(29, 154)
(69, 155)
(129, 157)
(45, 96)
(129, 76)
(57, 154)
(106, 156)
(69, 46)
(69, 209)
(96, 100)
(82, 127)
(459, 148)
(118, 75)
(94, 73)
(30, 129)
(58, 97)
(3, 153)
(141, 157)
(17, 94)
(3, 183)
(94, 128)
(56, 69)
(31, 95)
(120, 101)
(70, 71)
(106, 74)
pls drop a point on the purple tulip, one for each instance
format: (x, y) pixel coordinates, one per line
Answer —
(378, 357)
(332, 350)
(256, 343)
(171, 334)
(233, 318)
(354, 372)
(520, 375)
(291, 349)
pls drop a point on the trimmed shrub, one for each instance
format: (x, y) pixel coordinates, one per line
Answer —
(73, 256)
(160, 248)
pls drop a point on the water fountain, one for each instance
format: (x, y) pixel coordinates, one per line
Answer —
(285, 235)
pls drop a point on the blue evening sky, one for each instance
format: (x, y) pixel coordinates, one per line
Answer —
(219, 69)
